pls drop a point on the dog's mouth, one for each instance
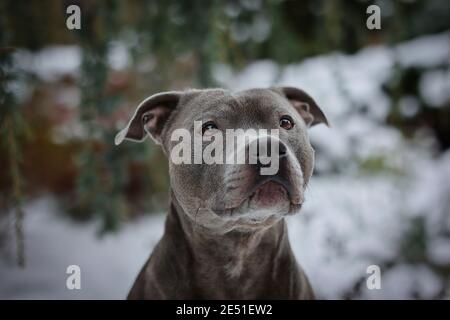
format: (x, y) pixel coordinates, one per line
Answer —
(269, 196)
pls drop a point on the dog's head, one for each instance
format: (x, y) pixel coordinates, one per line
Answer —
(222, 192)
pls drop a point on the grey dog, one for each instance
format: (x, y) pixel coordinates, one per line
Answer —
(225, 234)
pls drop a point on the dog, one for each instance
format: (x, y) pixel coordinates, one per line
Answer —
(225, 234)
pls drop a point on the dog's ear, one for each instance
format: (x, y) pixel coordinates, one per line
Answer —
(305, 105)
(150, 117)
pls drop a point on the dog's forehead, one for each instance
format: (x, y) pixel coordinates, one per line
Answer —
(259, 97)
(218, 99)
(199, 100)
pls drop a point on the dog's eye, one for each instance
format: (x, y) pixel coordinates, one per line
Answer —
(146, 118)
(286, 123)
(208, 126)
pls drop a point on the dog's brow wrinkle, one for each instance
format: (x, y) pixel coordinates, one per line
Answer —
(212, 109)
(232, 173)
(235, 179)
(229, 188)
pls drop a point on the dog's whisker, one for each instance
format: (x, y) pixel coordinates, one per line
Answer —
(230, 188)
(235, 179)
(195, 217)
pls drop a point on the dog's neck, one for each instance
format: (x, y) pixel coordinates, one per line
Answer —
(233, 260)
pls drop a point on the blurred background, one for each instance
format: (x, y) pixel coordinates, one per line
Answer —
(380, 194)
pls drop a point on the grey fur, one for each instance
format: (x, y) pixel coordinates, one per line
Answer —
(215, 246)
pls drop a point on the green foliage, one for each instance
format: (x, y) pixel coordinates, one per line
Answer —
(378, 164)
(13, 131)
(414, 241)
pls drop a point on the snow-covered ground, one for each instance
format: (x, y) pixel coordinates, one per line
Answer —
(353, 217)
(108, 264)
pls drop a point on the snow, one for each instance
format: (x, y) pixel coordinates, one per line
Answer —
(108, 264)
(118, 56)
(50, 63)
(54, 62)
(426, 51)
(435, 87)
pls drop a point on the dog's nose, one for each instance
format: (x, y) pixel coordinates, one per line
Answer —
(263, 148)
(282, 150)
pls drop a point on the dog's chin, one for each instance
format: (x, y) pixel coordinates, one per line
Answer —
(264, 207)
